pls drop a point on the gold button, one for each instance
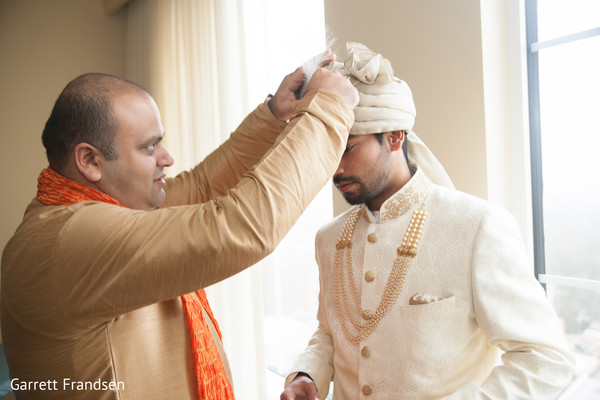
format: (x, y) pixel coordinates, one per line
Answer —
(369, 276)
(372, 237)
(366, 352)
(366, 389)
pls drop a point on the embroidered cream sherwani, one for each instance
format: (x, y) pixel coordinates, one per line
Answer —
(90, 291)
(471, 255)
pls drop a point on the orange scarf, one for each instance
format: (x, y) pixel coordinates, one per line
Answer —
(213, 383)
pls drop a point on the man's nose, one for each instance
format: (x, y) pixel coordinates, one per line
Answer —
(165, 159)
(339, 170)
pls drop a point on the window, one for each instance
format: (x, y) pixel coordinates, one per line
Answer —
(563, 45)
(289, 278)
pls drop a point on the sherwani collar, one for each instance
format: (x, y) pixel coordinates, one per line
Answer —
(411, 194)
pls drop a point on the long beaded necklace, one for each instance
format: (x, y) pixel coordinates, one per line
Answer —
(405, 253)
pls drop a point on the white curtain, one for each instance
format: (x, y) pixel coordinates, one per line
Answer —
(207, 63)
(171, 52)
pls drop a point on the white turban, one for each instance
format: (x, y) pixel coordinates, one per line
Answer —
(386, 104)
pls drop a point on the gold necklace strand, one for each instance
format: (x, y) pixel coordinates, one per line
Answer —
(405, 253)
(344, 242)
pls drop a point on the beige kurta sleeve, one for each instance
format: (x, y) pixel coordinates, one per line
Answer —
(511, 309)
(223, 168)
(114, 259)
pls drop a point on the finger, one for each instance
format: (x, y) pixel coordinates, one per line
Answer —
(314, 395)
(328, 57)
(327, 62)
(287, 395)
(298, 74)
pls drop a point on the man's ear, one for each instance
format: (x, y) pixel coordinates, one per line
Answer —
(395, 139)
(88, 161)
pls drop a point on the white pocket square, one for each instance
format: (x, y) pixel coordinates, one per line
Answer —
(420, 298)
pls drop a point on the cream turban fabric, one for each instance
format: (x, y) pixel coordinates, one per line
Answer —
(386, 104)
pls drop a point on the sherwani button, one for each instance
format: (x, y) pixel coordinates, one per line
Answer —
(366, 389)
(372, 237)
(366, 352)
(369, 276)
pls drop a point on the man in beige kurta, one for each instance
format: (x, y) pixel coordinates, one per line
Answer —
(90, 291)
(425, 292)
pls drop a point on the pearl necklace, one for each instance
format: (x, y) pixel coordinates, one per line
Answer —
(405, 253)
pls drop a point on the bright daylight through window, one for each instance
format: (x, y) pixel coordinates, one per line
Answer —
(290, 276)
(564, 93)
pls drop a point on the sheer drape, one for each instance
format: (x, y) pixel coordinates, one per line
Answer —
(208, 63)
(171, 52)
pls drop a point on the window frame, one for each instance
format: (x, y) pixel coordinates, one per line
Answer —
(535, 137)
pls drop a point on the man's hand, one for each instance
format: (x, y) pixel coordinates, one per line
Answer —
(284, 102)
(334, 82)
(301, 388)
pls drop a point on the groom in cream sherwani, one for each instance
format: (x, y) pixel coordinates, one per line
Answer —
(425, 292)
